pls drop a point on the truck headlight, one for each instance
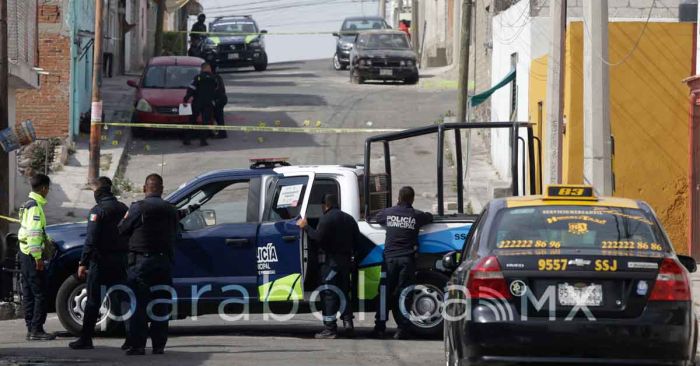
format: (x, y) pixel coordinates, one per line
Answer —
(402, 63)
(254, 44)
(346, 46)
(369, 62)
(143, 106)
(409, 63)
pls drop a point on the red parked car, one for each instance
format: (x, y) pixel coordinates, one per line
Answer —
(161, 88)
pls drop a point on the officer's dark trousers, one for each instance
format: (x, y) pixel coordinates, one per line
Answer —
(34, 292)
(400, 274)
(206, 113)
(144, 272)
(335, 274)
(107, 271)
(219, 117)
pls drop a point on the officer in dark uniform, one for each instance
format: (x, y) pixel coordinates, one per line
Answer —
(197, 34)
(219, 104)
(337, 235)
(204, 91)
(104, 257)
(402, 223)
(151, 226)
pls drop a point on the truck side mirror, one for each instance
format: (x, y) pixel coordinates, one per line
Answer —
(688, 262)
(209, 217)
(264, 31)
(132, 83)
(449, 261)
(336, 34)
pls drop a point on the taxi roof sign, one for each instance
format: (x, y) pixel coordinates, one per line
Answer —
(570, 192)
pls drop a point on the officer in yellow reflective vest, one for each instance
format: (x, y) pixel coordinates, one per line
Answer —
(33, 240)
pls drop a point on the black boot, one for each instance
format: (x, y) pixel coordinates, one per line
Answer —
(125, 346)
(40, 335)
(327, 334)
(158, 351)
(349, 328)
(203, 142)
(135, 351)
(81, 343)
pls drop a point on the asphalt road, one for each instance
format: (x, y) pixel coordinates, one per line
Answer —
(210, 341)
(298, 94)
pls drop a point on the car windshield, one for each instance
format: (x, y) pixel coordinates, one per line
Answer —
(363, 24)
(169, 77)
(383, 42)
(578, 227)
(235, 27)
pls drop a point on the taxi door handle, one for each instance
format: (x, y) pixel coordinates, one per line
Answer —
(237, 242)
(290, 238)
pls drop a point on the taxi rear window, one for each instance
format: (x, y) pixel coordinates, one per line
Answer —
(577, 227)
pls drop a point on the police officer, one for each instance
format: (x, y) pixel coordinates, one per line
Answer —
(197, 34)
(151, 226)
(33, 245)
(204, 91)
(337, 235)
(219, 104)
(104, 257)
(402, 223)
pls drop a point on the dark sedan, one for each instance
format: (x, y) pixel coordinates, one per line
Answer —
(383, 55)
(346, 37)
(569, 278)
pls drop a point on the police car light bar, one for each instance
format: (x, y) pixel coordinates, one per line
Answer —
(570, 192)
(268, 163)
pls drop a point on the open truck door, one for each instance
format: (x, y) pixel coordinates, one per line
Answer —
(523, 159)
(279, 249)
(516, 147)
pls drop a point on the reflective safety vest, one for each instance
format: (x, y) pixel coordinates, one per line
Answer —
(32, 234)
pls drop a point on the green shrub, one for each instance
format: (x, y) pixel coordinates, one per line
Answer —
(174, 44)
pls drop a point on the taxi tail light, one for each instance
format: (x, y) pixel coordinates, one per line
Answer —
(671, 283)
(486, 281)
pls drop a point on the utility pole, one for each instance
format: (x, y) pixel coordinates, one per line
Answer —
(414, 27)
(597, 144)
(158, 44)
(552, 168)
(5, 198)
(463, 83)
(399, 10)
(382, 8)
(96, 110)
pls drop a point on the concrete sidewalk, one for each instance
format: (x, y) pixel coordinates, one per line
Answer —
(70, 198)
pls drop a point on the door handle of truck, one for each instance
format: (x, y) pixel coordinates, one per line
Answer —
(237, 242)
(290, 238)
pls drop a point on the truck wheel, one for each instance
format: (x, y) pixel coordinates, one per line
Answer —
(426, 305)
(413, 80)
(262, 65)
(70, 308)
(355, 78)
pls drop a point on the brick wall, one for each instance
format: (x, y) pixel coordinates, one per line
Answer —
(49, 106)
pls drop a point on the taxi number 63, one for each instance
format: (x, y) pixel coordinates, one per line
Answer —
(552, 264)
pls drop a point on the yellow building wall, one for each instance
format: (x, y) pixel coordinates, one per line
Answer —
(648, 115)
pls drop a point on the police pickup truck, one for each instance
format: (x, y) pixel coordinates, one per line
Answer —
(243, 246)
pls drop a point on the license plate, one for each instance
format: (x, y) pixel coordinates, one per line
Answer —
(591, 295)
(233, 56)
(386, 72)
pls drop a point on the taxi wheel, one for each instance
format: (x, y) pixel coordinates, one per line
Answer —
(70, 308)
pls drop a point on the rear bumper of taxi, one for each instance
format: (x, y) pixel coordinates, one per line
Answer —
(663, 334)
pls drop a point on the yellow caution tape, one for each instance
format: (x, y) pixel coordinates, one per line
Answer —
(240, 34)
(260, 128)
(10, 219)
